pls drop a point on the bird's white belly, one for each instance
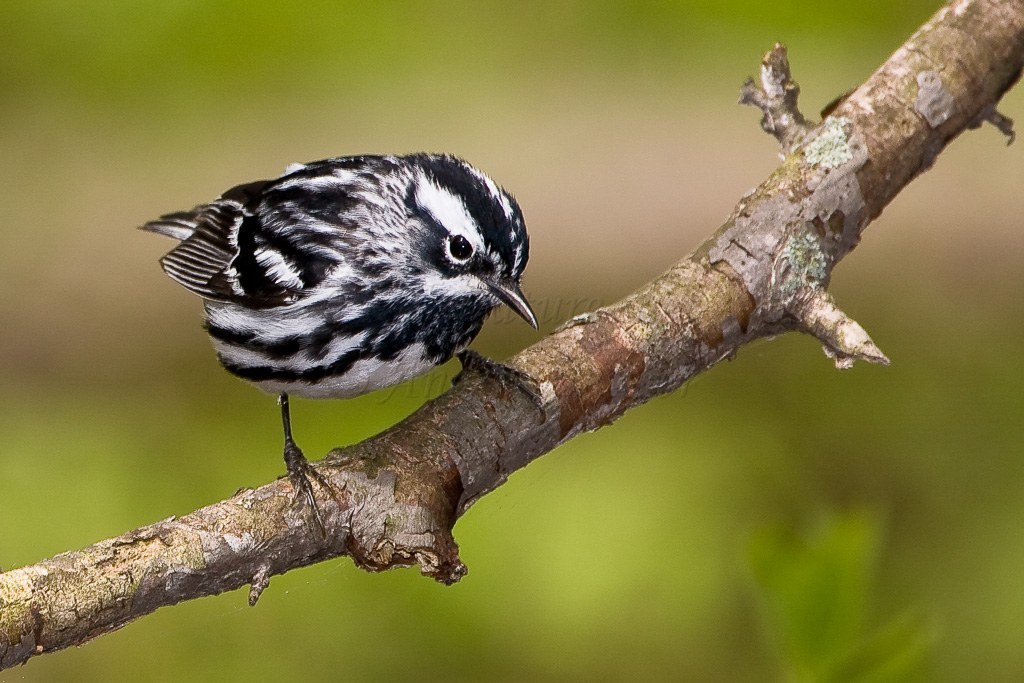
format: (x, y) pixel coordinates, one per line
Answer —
(364, 376)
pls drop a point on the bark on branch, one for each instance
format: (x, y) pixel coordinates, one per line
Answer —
(765, 271)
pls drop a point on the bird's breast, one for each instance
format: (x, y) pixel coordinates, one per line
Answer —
(363, 376)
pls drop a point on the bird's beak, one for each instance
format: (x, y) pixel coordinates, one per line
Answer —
(510, 295)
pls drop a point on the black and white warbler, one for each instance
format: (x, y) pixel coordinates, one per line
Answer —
(349, 274)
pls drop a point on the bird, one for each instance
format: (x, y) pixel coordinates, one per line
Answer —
(349, 274)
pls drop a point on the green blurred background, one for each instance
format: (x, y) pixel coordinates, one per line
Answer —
(774, 520)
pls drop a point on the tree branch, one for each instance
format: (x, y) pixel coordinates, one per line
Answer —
(777, 98)
(397, 495)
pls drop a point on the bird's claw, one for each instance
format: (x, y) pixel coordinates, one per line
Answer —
(473, 362)
(300, 472)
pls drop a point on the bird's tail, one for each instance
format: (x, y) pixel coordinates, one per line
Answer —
(178, 225)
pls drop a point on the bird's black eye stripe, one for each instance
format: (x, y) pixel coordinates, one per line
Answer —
(459, 248)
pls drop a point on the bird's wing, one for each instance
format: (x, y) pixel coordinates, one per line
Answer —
(226, 254)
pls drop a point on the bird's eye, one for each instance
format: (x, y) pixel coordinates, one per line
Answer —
(459, 248)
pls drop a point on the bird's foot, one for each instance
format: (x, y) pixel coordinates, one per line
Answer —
(473, 362)
(300, 472)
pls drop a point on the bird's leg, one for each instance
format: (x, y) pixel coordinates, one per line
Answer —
(473, 362)
(299, 470)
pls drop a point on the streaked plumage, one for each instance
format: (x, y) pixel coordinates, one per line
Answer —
(350, 274)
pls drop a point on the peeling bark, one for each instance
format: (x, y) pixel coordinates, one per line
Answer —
(765, 271)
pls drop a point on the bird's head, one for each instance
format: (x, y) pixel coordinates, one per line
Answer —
(469, 232)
